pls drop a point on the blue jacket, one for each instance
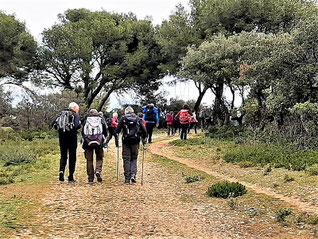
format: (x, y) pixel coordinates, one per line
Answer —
(144, 110)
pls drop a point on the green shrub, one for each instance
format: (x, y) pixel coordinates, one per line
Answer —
(277, 156)
(282, 213)
(226, 132)
(17, 157)
(191, 141)
(226, 190)
(288, 178)
(192, 179)
(312, 170)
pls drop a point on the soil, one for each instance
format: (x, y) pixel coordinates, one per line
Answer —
(164, 207)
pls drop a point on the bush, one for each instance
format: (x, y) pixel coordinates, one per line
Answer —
(312, 170)
(277, 156)
(226, 132)
(192, 179)
(226, 190)
(17, 156)
(282, 213)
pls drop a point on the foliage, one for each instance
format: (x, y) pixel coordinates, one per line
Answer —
(17, 50)
(98, 53)
(288, 178)
(193, 179)
(226, 132)
(312, 170)
(226, 190)
(19, 157)
(278, 156)
(282, 213)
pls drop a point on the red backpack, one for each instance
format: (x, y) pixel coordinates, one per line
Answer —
(184, 117)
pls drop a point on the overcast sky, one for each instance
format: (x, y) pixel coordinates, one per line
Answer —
(41, 14)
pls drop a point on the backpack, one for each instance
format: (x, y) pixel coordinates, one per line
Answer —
(184, 117)
(150, 115)
(65, 121)
(131, 131)
(109, 122)
(169, 118)
(93, 131)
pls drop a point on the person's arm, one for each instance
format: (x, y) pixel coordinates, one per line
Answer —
(104, 128)
(177, 116)
(190, 113)
(77, 122)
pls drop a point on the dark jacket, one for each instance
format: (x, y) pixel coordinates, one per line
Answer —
(121, 124)
(69, 138)
(85, 145)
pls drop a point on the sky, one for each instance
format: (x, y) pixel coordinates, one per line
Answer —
(41, 14)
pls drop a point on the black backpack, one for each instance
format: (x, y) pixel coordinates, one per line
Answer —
(150, 115)
(131, 130)
(65, 121)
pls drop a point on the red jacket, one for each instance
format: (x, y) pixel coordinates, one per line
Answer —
(169, 119)
(114, 122)
(184, 116)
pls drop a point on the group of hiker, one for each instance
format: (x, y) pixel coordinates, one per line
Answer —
(96, 132)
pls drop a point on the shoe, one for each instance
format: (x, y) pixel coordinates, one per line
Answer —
(91, 182)
(127, 181)
(133, 179)
(72, 181)
(99, 178)
(61, 176)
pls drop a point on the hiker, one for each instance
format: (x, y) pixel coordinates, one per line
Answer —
(151, 116)
(133, 130)
(94, 133)
(140, 115)
(67, 124)
(193, 123)
(112, 124)
(169, 120)
(184, 117)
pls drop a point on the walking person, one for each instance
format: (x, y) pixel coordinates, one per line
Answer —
(133, 130)
(193, 123)
(94, 133)
(184, 116)
(169, 120)
(67, 124)
(111, 130)
(151, 116)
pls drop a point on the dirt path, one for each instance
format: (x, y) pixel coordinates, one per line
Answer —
(162, 149)
(165, 207)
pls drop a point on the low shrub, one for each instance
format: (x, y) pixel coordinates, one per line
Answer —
(312, 170)
(17, 156)
(226, 190)
(192, 179)
(282, 213)
(288, 178)
(227, 132)
(277, 156)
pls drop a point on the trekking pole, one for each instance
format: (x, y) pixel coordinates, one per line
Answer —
(142, 165)
(117, 164)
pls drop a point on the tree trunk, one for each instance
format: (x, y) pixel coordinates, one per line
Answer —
(105, 98)
(199, 99)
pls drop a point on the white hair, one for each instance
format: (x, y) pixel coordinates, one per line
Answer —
(129, 110)
(115, 114)
(73, 105)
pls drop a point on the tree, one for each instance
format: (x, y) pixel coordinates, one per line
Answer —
(17, 51)
(98, 53)
(215, 63)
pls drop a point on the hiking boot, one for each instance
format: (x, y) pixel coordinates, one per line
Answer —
(61, 176)
(99, 178)
(91, 182)
(71, 179)
(133, 179)
(127, 181)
